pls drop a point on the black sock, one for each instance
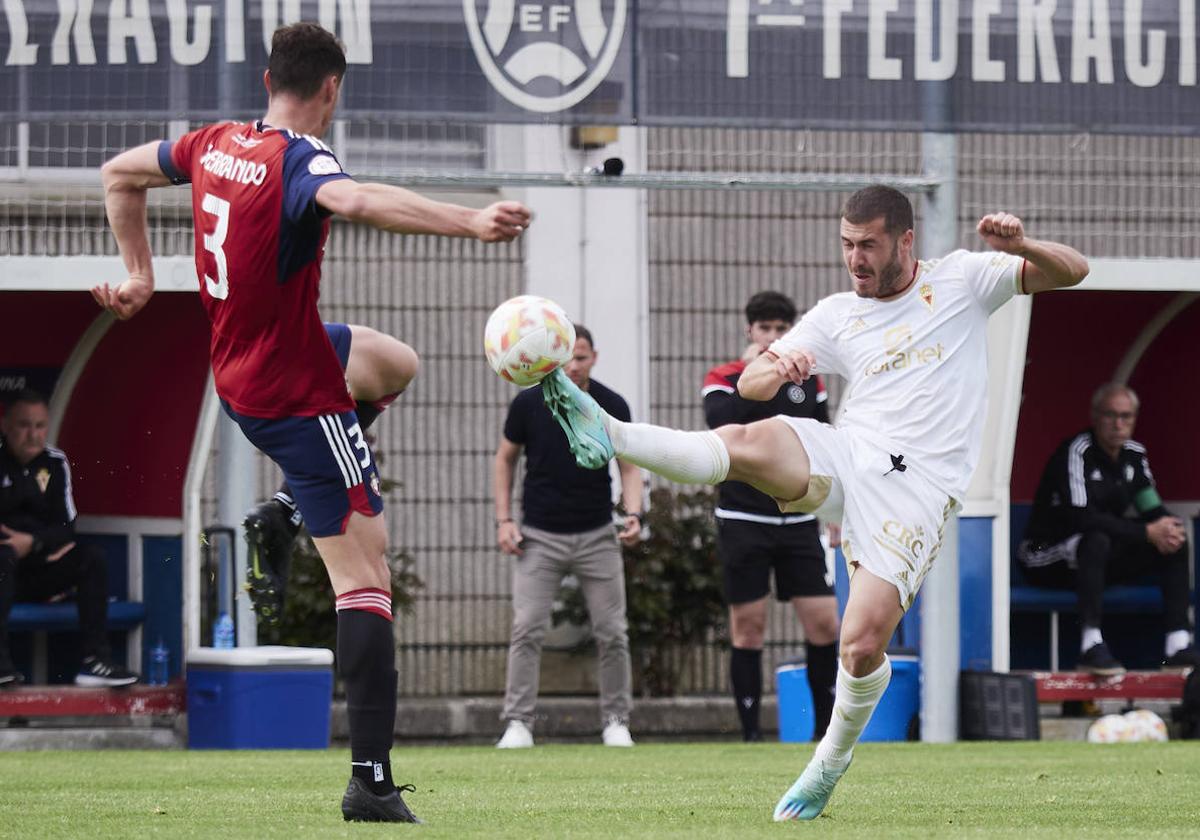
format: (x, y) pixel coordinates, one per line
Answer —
(366, 661)
(745, 672)
(822, 681)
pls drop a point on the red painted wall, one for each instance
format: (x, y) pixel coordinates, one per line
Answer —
(128, 430)
(1076, 341)
(40, 329)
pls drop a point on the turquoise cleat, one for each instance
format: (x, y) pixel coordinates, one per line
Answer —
(581, 418)
(810, 794)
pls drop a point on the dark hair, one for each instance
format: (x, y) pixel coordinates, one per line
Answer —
(770, 306)
(583, 332)
(871, 203)
(303, 56)
(28, 396)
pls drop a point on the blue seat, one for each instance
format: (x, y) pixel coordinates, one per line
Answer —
(1135, 598)
(122, 615)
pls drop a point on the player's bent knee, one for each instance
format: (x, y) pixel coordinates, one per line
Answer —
(862, 654)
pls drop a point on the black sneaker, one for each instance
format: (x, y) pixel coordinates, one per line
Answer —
(360, 805)
(10, 677)
(1182, 660)
(95, 672)
(270, 534)
(1099, 660)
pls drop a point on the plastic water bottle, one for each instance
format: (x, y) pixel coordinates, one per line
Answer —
(160, 659)
(223, 632)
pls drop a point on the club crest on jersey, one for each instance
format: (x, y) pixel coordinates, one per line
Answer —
(795, 393)
(545, 57)
(43, 479)
(926, 293)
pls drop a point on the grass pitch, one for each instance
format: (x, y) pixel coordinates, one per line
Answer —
(1020, 790)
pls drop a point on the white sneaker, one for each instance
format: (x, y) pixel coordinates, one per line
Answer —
(517, 736)
(616, 734)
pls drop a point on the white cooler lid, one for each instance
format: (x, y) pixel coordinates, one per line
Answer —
(261, 656)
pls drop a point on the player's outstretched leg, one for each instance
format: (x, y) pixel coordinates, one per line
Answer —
(595, 437)
(580, 417)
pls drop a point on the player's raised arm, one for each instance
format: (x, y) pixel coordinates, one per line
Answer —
(126, 179)
(399, 210)
(1048, 265)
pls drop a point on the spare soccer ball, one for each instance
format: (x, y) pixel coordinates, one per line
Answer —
(1144, 725)
(1110, 729)
(526, 338)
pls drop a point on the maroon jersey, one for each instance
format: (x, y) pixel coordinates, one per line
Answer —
(260, 237)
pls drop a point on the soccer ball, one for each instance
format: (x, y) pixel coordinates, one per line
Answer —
(1144, 725)
(526, 338)
(1110, 729)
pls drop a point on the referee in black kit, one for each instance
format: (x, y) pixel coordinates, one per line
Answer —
(753, 538)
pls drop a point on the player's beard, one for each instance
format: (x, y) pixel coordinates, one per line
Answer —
(890, 274)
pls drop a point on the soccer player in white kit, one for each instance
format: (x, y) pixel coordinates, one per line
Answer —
(911, 339)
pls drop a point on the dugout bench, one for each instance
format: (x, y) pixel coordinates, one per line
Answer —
(1132, 618)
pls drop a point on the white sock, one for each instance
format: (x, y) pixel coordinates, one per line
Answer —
(684, 457)
(1089, 638)
(854, 701)
(1177, 640)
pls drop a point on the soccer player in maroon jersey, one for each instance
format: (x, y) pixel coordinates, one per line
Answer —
(262, 195)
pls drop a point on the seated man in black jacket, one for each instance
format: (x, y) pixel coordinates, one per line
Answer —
(38, 555)
(1098, 520)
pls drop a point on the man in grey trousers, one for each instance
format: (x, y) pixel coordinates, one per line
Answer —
(566, 528)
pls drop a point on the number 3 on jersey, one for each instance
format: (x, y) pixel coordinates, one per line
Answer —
(215, 243)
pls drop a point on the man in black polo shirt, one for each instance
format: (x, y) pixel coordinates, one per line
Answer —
(753, 538)
(566, 528)
(1098, 520)
(38, 555)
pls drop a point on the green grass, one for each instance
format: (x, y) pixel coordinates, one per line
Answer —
(1023, 790)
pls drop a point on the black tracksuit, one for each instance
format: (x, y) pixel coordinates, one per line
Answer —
(36, 498)
(1088, 528)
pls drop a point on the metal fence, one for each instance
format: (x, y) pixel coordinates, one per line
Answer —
(710, 249)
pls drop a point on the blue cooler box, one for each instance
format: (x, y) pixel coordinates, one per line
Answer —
(890, 722)
(268, 697)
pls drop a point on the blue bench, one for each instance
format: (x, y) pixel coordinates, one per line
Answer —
(122, 615)
(41, 619)
(1138, 598)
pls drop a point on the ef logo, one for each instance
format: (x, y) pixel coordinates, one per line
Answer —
(545, 57)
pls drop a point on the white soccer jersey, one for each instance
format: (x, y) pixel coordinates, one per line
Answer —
(917, 364)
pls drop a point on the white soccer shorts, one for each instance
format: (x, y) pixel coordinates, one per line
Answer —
(893, 518)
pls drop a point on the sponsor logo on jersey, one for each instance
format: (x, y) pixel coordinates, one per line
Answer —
(6, 482)
(795, 393)
(857, 326)
(43, 479)
(545, 58)
(245, 142)
(324, 165)
(1129, 472)
(1095, 476)
(898, 352)
(233, 168)
(375, 484)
